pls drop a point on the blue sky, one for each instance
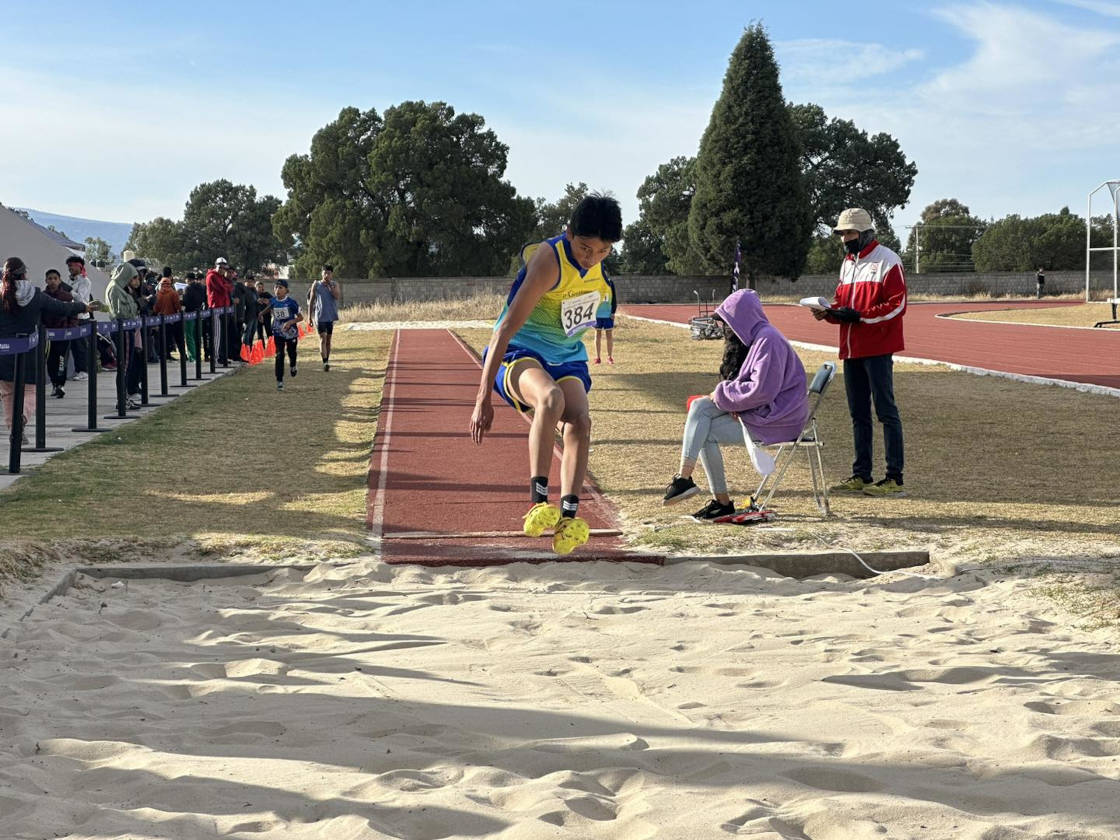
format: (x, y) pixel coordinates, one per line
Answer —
(1010, 107)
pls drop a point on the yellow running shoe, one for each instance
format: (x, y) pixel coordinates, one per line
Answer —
(540, 518)
(570, 533)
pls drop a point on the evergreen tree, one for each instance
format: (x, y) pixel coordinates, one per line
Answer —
(749, 186)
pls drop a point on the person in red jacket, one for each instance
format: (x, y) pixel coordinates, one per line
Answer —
(218, 289)
(869, 304)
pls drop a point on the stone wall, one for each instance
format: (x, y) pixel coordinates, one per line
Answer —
(634, 288)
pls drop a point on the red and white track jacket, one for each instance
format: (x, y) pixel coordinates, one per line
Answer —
(873, 285)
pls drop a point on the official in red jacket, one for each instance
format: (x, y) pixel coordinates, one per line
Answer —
(218, 289)
(869, 305)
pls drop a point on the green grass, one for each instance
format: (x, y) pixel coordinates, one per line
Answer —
(998, 472)
(232, 466)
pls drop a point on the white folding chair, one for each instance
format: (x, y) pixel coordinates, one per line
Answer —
(809, 440)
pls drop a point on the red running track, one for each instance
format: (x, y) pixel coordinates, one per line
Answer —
(1089, 356)
(435, 498)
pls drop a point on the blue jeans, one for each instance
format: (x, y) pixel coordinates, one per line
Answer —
(704, 430)
(867, 379)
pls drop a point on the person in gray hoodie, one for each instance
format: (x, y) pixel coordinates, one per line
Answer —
(122, 302)
(762, 387)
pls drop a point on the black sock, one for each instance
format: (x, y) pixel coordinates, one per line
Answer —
(538, 488)
(569, 505)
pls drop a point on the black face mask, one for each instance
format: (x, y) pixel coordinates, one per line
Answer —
(852, 246)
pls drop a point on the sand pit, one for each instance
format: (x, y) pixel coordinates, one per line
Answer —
(560, 700)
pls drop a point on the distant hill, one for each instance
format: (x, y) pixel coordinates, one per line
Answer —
(115, 233)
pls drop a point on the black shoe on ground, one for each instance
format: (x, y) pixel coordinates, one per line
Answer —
(679, 489)
(326, 365)
(293, 371)
(58, 392)
(713, 510)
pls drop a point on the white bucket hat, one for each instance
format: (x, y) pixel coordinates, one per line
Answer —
(854, 218)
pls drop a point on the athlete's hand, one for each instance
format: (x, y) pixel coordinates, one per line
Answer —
(481, 420)
(820, 314)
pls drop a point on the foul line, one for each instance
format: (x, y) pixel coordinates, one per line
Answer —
(1084, 387)
(377, 515)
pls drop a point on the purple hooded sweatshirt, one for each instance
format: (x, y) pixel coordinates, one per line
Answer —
(769, 394)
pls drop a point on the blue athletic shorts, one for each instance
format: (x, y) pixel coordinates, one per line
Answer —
(516, 355)
(604, 323)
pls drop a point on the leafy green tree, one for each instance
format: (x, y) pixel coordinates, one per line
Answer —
(416, 193)
(221, 219)
(664, 202)
(825, 254)
(98, 252)
(943, 240)
(749, 186)
(161, 239)
(1053, 241)
(226, 219)
(553, 217)
(331, 215)
(844, 167)
(643, 252)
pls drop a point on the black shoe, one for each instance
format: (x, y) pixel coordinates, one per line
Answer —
(713, 510)
(58, 392)
(293, 371)
(679, 489)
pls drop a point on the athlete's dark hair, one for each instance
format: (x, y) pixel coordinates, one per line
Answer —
(328, 268)
(51, 271)
(734, 353)
(167, 271)
(597, 215)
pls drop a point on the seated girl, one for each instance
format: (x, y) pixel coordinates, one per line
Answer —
(762, 387)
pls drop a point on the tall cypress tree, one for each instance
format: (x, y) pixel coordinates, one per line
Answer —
(748, 178)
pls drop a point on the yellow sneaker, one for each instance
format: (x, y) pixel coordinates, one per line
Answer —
(855, 484)
(541, 517)
(570, 533)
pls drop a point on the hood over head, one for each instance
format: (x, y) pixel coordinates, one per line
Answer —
(123, 274)
(742, 311)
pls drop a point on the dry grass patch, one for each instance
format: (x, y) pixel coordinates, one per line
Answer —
(231, 468)
(1072, 315)
(479, 307)
(981, 472)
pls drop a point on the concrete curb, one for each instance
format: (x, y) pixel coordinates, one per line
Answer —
(803, 565)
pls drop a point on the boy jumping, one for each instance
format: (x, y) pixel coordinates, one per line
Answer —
(537, 362)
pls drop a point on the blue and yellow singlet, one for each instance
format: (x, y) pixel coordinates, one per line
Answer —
(565, 311)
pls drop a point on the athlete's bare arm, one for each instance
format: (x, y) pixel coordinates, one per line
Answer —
(540, 276)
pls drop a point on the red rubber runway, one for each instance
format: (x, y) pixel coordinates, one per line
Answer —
(435, 498)
(1074, 355)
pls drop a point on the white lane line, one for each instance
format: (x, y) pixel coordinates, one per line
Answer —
(384, 424)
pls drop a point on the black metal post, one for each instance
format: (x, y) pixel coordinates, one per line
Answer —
(198, 346)
(226, 340)
(162, 356)
(91, 383)
(183, 354)
(41, 396)
(120, 381)
(144, 347)
(15, 445)
(213, 340)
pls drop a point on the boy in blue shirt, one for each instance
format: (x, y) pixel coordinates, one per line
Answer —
(285, 332)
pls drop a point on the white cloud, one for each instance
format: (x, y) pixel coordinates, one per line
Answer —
(1101, 7)
(826, 63)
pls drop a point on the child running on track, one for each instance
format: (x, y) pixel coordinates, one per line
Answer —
(285, 316)
(606, 325)
(537, 361)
